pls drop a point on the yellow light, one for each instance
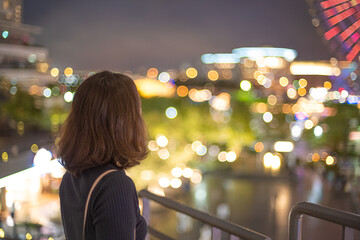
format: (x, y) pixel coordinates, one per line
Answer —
(188, 172)
(213, 75)
(329, 160)
(34, 148)
(315, 157)
(2, 233)
(261, 79)
(261, 107)
(50, 238)
(152, 73)
(283, 81)
(222, 156)
(42, 67)
(302, 82)
(182, 91)
(268, 157)
(28, 236)
(327, 85)
(191, 72)
(308, 124)
(313, 68)
(68, 71)
(301, 91)
(272, 99)
(286, 108)
(149, 88)
(276, 163)
(5, 156)
(259, 147)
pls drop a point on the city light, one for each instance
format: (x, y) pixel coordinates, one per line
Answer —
(313, 68)
(162, 141)
(182, 91)
(164, 182)
(191, 73)
(245, 85)
(267, 117)
(164, 154)
(231, 156)
(171, 112)
(177, 172)
(175, 183)
(164, 77)
(213, 75)
(188, 172)
(283, 146)
(220, 58)
(318, 131)
(5, 34)
(68, 96)
(153, 146)
(259, 147)
(255, 53)
(329, 160)
(152, 73)
(68, 71)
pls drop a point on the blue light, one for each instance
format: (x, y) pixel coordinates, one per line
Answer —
(5, 34)
(220, 58)
(255, 52)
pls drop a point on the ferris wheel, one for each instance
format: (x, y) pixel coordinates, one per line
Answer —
(339, 23)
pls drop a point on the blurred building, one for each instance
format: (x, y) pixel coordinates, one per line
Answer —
(21, 61)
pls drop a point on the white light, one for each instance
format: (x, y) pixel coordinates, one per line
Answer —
(47, 92)
(195, 145)
(175, 183)
(164, 182)
(268, 159)
(9, 196)
(162, 141)
(42, 157)
(318, 131)
(231, 156)
(188, 172)
(201, 150)
(283, 146)
(268, 117)
(296, 132)
(245, 85)
(164, 154)
(171, 112)
(196, 178)
(176, 172)
(164, 77)
(276, 163)
(68, 96)
(311, 68)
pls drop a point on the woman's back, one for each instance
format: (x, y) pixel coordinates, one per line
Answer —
(113, 211)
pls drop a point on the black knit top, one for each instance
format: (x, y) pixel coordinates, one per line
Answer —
(113, 211)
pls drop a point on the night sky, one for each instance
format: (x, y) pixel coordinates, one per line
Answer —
(120, 35)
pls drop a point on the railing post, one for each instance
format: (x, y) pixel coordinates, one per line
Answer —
(348, 233)
(146, 213)
(295, 225)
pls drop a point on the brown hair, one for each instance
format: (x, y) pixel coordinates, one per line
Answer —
(105, 125)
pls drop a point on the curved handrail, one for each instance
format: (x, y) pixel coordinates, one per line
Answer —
(325, 213)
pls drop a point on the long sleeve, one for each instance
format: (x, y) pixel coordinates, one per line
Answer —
(115, 213)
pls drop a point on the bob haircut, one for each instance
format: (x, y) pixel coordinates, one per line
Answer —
(105, 125)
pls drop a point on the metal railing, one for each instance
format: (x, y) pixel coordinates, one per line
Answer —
(348, 221)
(218, 226)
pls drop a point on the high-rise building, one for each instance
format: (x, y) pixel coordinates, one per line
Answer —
(21, 61)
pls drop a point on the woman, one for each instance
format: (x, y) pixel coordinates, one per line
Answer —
(103, 131)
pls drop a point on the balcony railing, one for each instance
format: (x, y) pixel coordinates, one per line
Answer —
(348, 221)
(218, 226)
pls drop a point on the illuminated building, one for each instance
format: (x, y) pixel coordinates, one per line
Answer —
(21, 62)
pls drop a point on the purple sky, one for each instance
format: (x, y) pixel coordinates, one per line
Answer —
(120, 35)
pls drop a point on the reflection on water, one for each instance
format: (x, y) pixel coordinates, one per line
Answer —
(261, 203)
